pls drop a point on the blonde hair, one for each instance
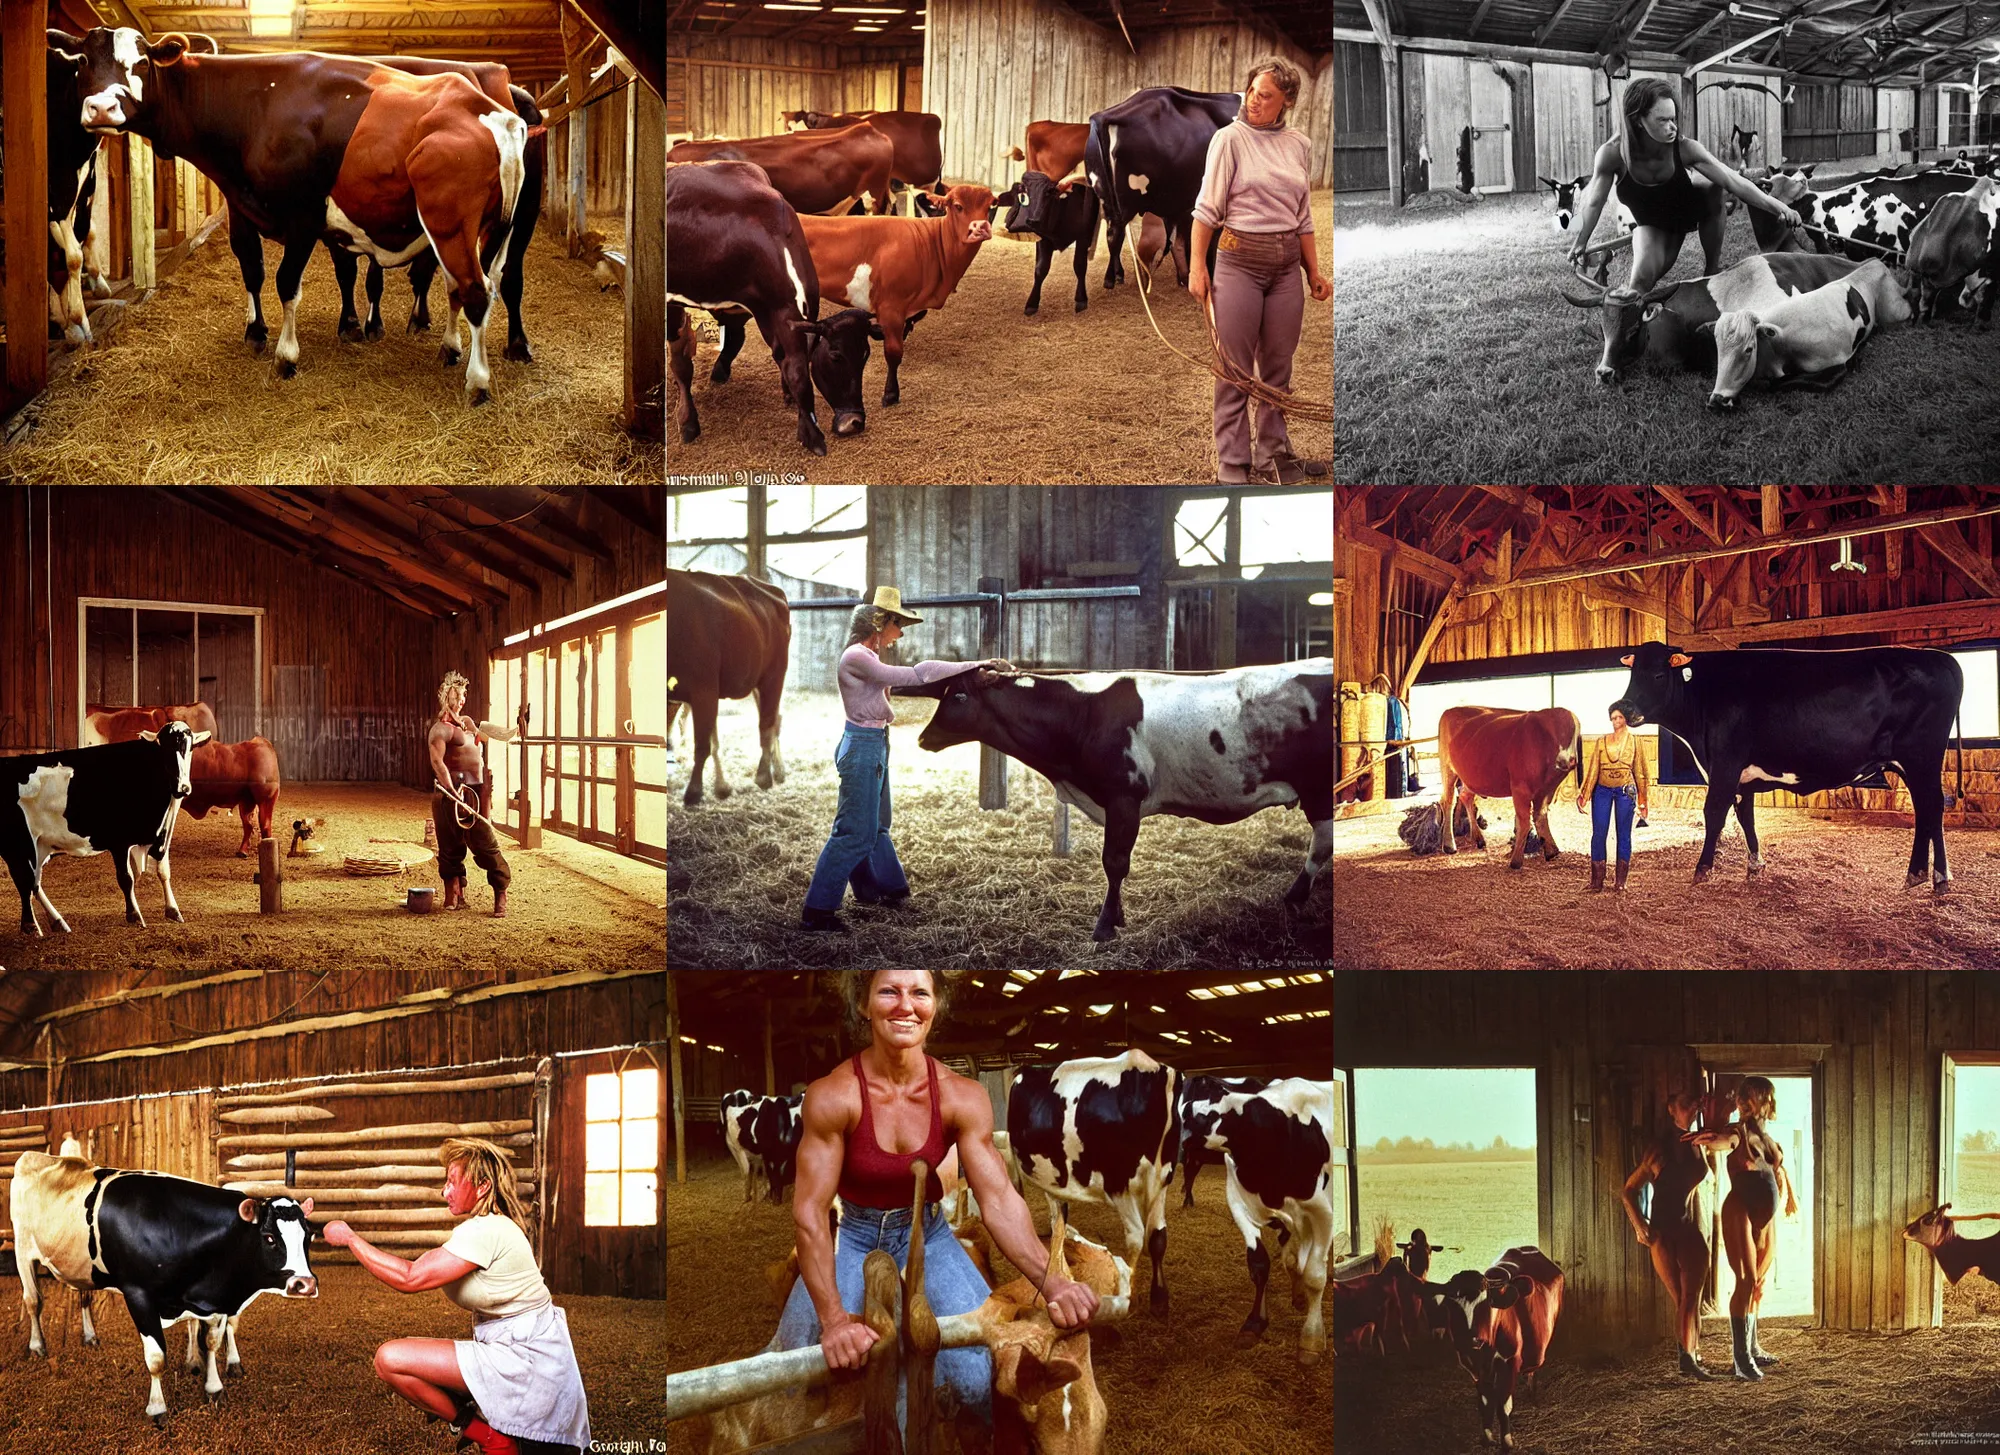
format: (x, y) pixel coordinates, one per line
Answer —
(864, 623)
(487, 1162)
(1762, 1096)
(451, 680)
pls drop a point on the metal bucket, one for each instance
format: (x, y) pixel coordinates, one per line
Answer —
(422, 899)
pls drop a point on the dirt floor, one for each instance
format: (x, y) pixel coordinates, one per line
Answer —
(308, 1375)
(175, 396)
(1831, 897)
(1174, 1386)
(986, 890)
(1834, 1392)
(990, 396)
(572, 906)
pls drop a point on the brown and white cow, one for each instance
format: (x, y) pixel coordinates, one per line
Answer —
(1501, 1322)
(1956, 1254)
(1492, 752)
(727, 636)
(815, 171)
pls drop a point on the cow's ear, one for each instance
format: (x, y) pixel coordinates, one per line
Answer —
(70, 48)
(1545, 181)
(1808, 171)
(1626, 660)
(168, 49)
(148, 735)
(247, 1209)
(1679, 659)
(1769, 330)
(1707, 330)
(306, 1207)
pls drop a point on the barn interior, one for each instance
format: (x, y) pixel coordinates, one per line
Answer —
(1882, 1357)
(163, 284)
(1047, 578)
(323, 621)
(774, 1031)
(1528, 597)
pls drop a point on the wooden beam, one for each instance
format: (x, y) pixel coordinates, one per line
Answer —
(1421, 563)
(213, 501)
(25, 218)
(471, 511)
(635, 503)
(674, 1074)
(1445, 608)
(1478, 19)
(1378, 21)
(559, 516)
(1553, 21)
(402, 553)
(1976, 569)
(1681, 503)
(437, 600)
(644, 403)
(1951, 619)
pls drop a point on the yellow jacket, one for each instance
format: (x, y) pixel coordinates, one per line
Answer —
(1616, 764)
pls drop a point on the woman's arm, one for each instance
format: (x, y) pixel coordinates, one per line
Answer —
(1645, 1172)
(871, 668)
(1006, 1213)
(1734, 182)
(845, 1338)
(1309, 256)
(434, 1269)
(1604, 172)
(1589, 783)
(1199, 284)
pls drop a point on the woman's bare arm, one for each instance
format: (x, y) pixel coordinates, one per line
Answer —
(1006, 1213)
(1645, 1172)
(1733, 181)
(818, 1174)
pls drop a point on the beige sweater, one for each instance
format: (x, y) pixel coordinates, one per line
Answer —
(1256, 181)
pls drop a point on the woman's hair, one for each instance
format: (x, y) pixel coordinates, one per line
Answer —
(451, 680)
(1284, 75)
(1641, 96)
(1761, 1094)
(485, 1162)
(866, 621)
(857, 985)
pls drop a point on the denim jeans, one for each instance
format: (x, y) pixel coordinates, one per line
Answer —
(859, 850)
(953, 1284)
(1604, 802)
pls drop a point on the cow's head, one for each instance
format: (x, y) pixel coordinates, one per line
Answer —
(116, 72)
(962, 715)
(1741, 339)
(1623, 314)
(1036, 198)
(838, 349)
(1742, 140)
(283, 1248)
(1566, 193)
(180, 740)
(1467, 1316)
(1658, 682)
(1933, 1230)
(968, 212)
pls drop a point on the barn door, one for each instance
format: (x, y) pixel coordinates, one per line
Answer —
(1344, 1171)
(1360, 118)
(1492, 131)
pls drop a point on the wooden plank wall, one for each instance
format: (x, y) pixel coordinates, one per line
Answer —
(1605, 1041)
(604, 136)
(1718, 110)
(625, 1262)
(767, 77)
(1568, 127)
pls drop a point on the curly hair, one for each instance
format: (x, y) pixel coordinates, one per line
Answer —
(864, 623)
(855, 986)
(1284, 75)
(451, 680)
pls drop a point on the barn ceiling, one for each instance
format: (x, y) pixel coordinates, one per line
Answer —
(1876, 41)
(437, 550)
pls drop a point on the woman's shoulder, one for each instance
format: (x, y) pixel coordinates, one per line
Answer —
(1610, 157)
(836, 1093)
(959, 1095)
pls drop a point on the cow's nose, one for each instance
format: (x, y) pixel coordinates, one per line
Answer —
(1606, 375)
(96, 113)
(305, 1286)
(1721, 403)
(980, 232)
(847, 422)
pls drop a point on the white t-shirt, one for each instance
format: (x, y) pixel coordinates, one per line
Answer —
(504, 1280)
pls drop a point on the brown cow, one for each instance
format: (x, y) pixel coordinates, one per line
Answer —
(815, 171)
(123, 724)
(727, 636)
(916, 136)
(1054, 148)
(242, 776)
(1494, 753)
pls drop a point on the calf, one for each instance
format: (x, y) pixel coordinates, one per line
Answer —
(1061, 215)
(1958, 243)
(1495, 753)
(1812, 338)
(1566, 194)
(1501, 1323)
(762, 1133)
(1956, 1254)
(1201, 1107)
(1368, 1309)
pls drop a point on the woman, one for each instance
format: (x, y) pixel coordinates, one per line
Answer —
(518, 1366)
(1756, 1172)
(859, 850)
(1676, 1234)
(1256, 192)
(1617, 775)
(1671, 184)
(865, 1123)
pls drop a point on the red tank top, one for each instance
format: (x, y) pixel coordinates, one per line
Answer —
(871, 1177)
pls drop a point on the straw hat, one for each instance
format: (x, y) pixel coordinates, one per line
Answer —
(890, 599)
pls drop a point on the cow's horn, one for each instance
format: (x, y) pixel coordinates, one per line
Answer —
(1569, 297)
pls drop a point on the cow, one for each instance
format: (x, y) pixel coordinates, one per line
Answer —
(1201, 1098)
(122, 724)
(1060, 215)
(1103, 1129)
(1148, 154)
(1492, 752)
(1501, 1322)
(727, 636)
(174, 1248)
(120, 799)
(1812, 338)
(914, 135)
(1867, 218)
(1123, 746)
(815, 171)
(737, 246)
(1741, 142)
(762, 1134)
(240, 776)
(1758, 720)
(898, 268)
(1662, 322)
(1956, 1254)
(1958, 242)
(1566, 194)
(1368, 1309)
(72, 181)
(311, 148)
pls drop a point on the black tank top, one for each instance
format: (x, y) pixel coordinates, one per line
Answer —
(1682, 1170)
(1673, 204)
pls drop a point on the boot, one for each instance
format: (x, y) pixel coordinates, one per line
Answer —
(1757, 1354)
(1739, 1343)
(1596, 875)
(500, 904)
(1624, 868)
(822, 919)
(454, 894)
(1692, 1367)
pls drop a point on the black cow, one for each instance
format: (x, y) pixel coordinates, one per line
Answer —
(762, 1133)
(72, 180)
(1148, 154)
(737, 245)
(1200, 1110)
(1762, 720)
(1060, 215)
(172, 1247)
(121, 799)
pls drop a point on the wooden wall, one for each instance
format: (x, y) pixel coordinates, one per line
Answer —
(752, 81)
(1607, 1047)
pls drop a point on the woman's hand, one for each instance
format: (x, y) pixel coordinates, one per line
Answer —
(1581, 805)
(1320, 287)
(1578, 247)
(338, 1234)
(846, 1343)
(1785, 215)
(1198, 283)
(1072, 1305)
(1645, 1236)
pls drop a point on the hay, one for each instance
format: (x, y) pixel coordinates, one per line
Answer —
(1171, 1386)
(986, 890)
(298, 1356)
(1831, 897)
(992, 397)
(175, 396)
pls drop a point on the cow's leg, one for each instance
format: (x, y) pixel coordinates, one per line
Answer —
(234, 1364)
(1156, 1235)
(1082, 246)
(1505, 1372)
(193, 1363)
(1549, 849)
(22, 868)
(216, 1330)
(126, 862)
(1715, 813)
(1250, 1225)
(167, 884)
(733, 330)
(1447, 838)
(83, 1301)
(1317, 858)
(1315, 1253)
(1746, 815)
(701, 712)
(291, 280)
(31, 1298)
(770, 697)
(1045, 254)
(1188, 1170)
(1121, 831)
(680, 362)
(248, 245)
(371, 322)
(893, 334)
(153, 1340)
(422, 269)
(1523, 817)
(60, 924)
(243, 812)
(346, 268)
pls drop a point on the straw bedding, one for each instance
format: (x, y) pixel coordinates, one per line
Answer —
(175, 396)
(992, 397)
(986, 890)
(1179, 1385)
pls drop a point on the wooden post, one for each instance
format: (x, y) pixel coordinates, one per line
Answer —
(1059, 836)
(992, 632)
(139, 172)
(770, 1066)
(1225, 596)
(574, 165)
(646, 267)
(270, 878)
(625, 791)
(544, 1079)
(1392, 96)
(24, 102)
(190, 200)
(674, 1069)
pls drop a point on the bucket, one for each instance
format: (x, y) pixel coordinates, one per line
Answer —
(422, 899)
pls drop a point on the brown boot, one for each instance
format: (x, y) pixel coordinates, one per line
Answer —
(1596, 875)
(499, 904)
(454, 894)
(1624, 867)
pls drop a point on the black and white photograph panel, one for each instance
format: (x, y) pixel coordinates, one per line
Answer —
(1603, 1214)
(955, 1213)
(1690, 241)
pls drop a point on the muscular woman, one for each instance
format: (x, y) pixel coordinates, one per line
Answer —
(1749, 1238)
(1676, 1235)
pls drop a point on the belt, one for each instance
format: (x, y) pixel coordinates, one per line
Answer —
(1260, 249)
(882, 1218)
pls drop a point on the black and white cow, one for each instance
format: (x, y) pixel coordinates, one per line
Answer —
(1762, 720)
(1278, 1148)
(1148, 154)
(174, 1248)
(1103, 1129)
(1123, 746)
(1201, 1098)
(120, 799)
(72, 180)
(762, 1133)
(1061, 214)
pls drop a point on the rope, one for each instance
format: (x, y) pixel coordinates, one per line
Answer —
(1850, 241)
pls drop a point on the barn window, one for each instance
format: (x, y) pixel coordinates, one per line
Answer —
(621, 1149)
(155, 653)
(1201, 531)
(700, 517)
(1286, 527)
(1979, 708)
(1968, 1172)
(838, 516)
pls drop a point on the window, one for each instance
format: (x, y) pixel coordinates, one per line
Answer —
(1979, 709)
(805, 509)
(708, 515)
(1286, 528)
(1451, 1150)
(621, 1149)
(1200, 531)
(1590, 694)
(158, 653)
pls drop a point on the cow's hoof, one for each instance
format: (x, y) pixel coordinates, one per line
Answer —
(159, 1420)
(1513, 863)
(690, 800)
(62, 926)
(175, 916)
(1451, 848)
(233, 1371)
(34, 1353)
(719, 374)
(288, 369)
(417, 325)
(1701, 876)
(447, 355)
(1031, 310)
(1308, 1355)
(1104, 932)
(1252, 1330)
(350, 333)
(194, 1367)
(133, 919)
(1549, 856)
(476, 397)
(215, 1396)
(256, 335)
(723, 791)
(373, 331)
(519, 352)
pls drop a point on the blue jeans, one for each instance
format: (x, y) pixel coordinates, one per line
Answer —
(1604, 802)
(953, 1284)
(859, 850)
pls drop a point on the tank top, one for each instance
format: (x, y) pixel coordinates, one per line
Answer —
(1682, 1170)
(871, 1177)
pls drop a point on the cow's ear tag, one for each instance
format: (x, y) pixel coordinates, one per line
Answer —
(1687, 674)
